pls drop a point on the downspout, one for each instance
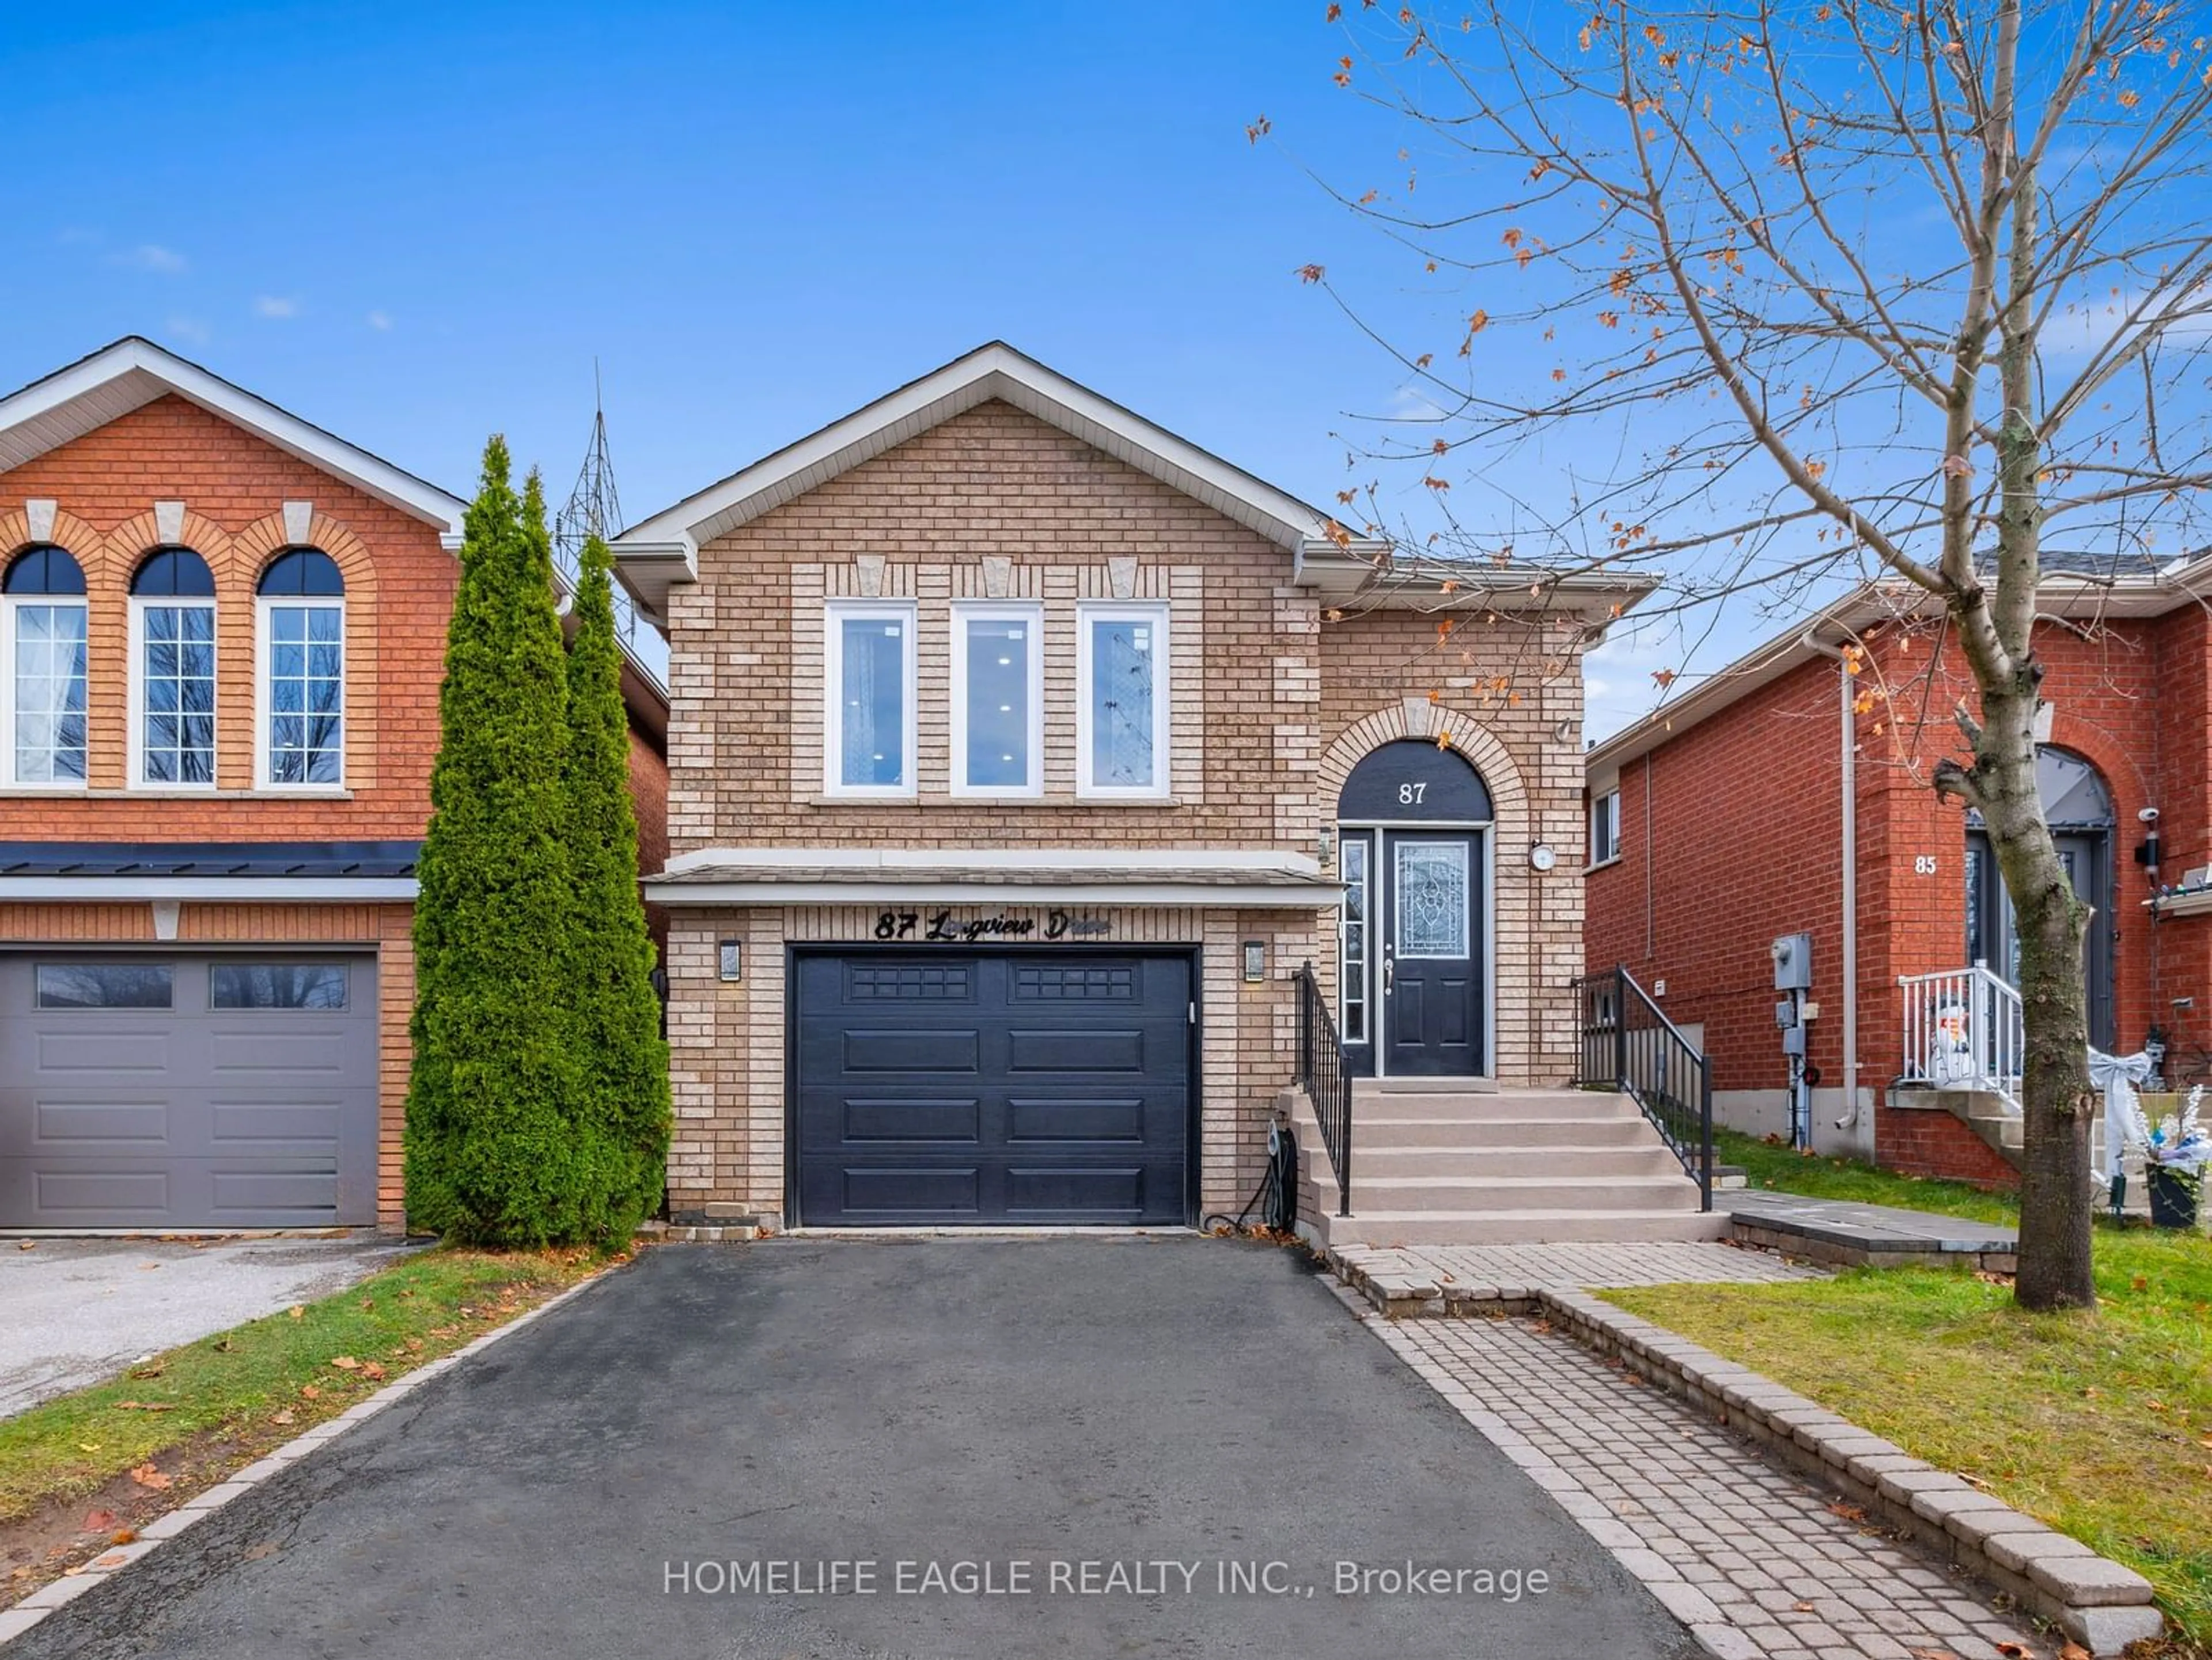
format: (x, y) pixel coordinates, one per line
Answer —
(1849, 751)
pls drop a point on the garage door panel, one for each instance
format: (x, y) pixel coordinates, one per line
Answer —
(905, 1192)
(1074, 1105)
(913, 1051)
(186, 1117)
(906, 1119)
(66, 1046)
(69, 1127)
(1057, 1118)
(1046, 1192)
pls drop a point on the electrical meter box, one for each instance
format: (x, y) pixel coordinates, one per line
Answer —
(1793, 961)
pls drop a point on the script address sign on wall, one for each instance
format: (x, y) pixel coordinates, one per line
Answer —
(944, 928)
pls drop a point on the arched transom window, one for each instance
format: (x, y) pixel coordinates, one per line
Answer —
(44, 675)
(303, 694)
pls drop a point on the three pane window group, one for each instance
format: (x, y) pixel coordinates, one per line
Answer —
(299, 691)
(997, 712)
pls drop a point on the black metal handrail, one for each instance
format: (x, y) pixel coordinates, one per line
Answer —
(1327, 1085)
(1628, 1043)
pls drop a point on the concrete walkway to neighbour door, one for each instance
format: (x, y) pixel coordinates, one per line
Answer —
(1170, 1446)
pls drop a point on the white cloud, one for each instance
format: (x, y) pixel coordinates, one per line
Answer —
(271, 305)
(151, 255)
(381, 321)
(189, 329)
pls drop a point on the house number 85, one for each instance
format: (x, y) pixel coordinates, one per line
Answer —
(1924, 864)
(1409, 795)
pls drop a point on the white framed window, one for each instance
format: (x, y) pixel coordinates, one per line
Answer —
(42, 669)
(1604, 827)
(868, 693)
(173, 668)
(998, 700)
(1122, 696)
(299, 673)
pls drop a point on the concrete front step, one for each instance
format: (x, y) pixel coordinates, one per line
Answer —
(1562, 1134)
(1565, 1108)
(1555, 1189)
(1457, 1159)
(1366, 1086)
(1536, 1226)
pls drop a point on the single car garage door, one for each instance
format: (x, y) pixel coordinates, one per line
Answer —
(218, 1092)
(952, 1087)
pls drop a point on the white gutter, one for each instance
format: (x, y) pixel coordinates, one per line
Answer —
(1218, 896)
(1851, 828)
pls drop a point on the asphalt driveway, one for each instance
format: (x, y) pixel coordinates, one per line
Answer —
(73, 1311)
(1099, 1429)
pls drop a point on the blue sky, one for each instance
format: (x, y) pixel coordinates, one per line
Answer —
(418, 223)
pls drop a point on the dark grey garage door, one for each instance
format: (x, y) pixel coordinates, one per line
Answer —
(955, 1087)
(187, 1092)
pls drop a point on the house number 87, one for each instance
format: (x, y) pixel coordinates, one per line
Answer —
(1409, 795)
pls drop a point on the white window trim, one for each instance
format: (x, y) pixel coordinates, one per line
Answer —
(1598, 804)
(264, 704)
(837, 613)
(8, 606)
(1033, 617)
(135, 716)
(1163, 701)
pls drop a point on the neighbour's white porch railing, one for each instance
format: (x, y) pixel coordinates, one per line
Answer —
(1962, 1031)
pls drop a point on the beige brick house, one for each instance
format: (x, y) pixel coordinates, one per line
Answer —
(1020, 753)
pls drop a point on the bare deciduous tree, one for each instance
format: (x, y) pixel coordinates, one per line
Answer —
(1916, 289)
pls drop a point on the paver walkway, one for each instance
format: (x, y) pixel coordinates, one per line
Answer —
(1758, 1562)
(1579, 1267)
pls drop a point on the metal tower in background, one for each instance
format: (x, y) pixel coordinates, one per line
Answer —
(593, 509)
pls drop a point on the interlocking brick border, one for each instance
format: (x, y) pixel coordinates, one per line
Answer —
(20, 1617)
(2098, 1603)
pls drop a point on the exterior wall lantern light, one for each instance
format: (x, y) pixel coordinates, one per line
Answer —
(1255, 960)
(733, 959)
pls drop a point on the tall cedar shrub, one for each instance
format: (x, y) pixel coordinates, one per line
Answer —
(622, 1060)
(492, 1152)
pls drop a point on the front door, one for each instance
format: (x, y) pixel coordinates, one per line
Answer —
(1429, 905)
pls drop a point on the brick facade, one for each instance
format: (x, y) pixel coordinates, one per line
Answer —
(241, 503)
(1731, 836)
(1270, 704)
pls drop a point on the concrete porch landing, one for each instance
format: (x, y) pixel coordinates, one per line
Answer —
(1837, 1231)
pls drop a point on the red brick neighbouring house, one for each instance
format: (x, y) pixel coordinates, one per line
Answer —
(1719, 824)
(221, 635)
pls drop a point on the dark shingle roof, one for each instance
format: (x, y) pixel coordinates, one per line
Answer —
(324, 858)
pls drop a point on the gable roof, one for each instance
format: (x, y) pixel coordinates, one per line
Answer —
(2125, 590)
(133, 372)
(664, 550)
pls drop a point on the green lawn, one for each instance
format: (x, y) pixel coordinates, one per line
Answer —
(2099, 1423)
(1767, 1165)
(179, 1418)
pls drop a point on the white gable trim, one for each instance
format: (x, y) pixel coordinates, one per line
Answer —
(133, 372)
(664, 548)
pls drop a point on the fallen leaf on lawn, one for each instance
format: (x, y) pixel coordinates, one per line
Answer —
(147, 1476)
(406, 1293)
(154, 1371)
(223, 1345)
(297, 1311)
(346, 1363)
(443, 1331)
(1848, 1512)
(371, 1369)
(88, 1446)
(122, 1535)
(466, 1312)
(2141, 1282)
(99, 1521)
(367, 1304)
(308, 1391)
(2072, 1652)
(415, 1345)
(257, 1552)
(145, 1406)
(283, 1415)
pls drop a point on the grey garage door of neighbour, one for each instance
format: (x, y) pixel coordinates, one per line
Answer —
(216, 1092)
(976, 1087)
